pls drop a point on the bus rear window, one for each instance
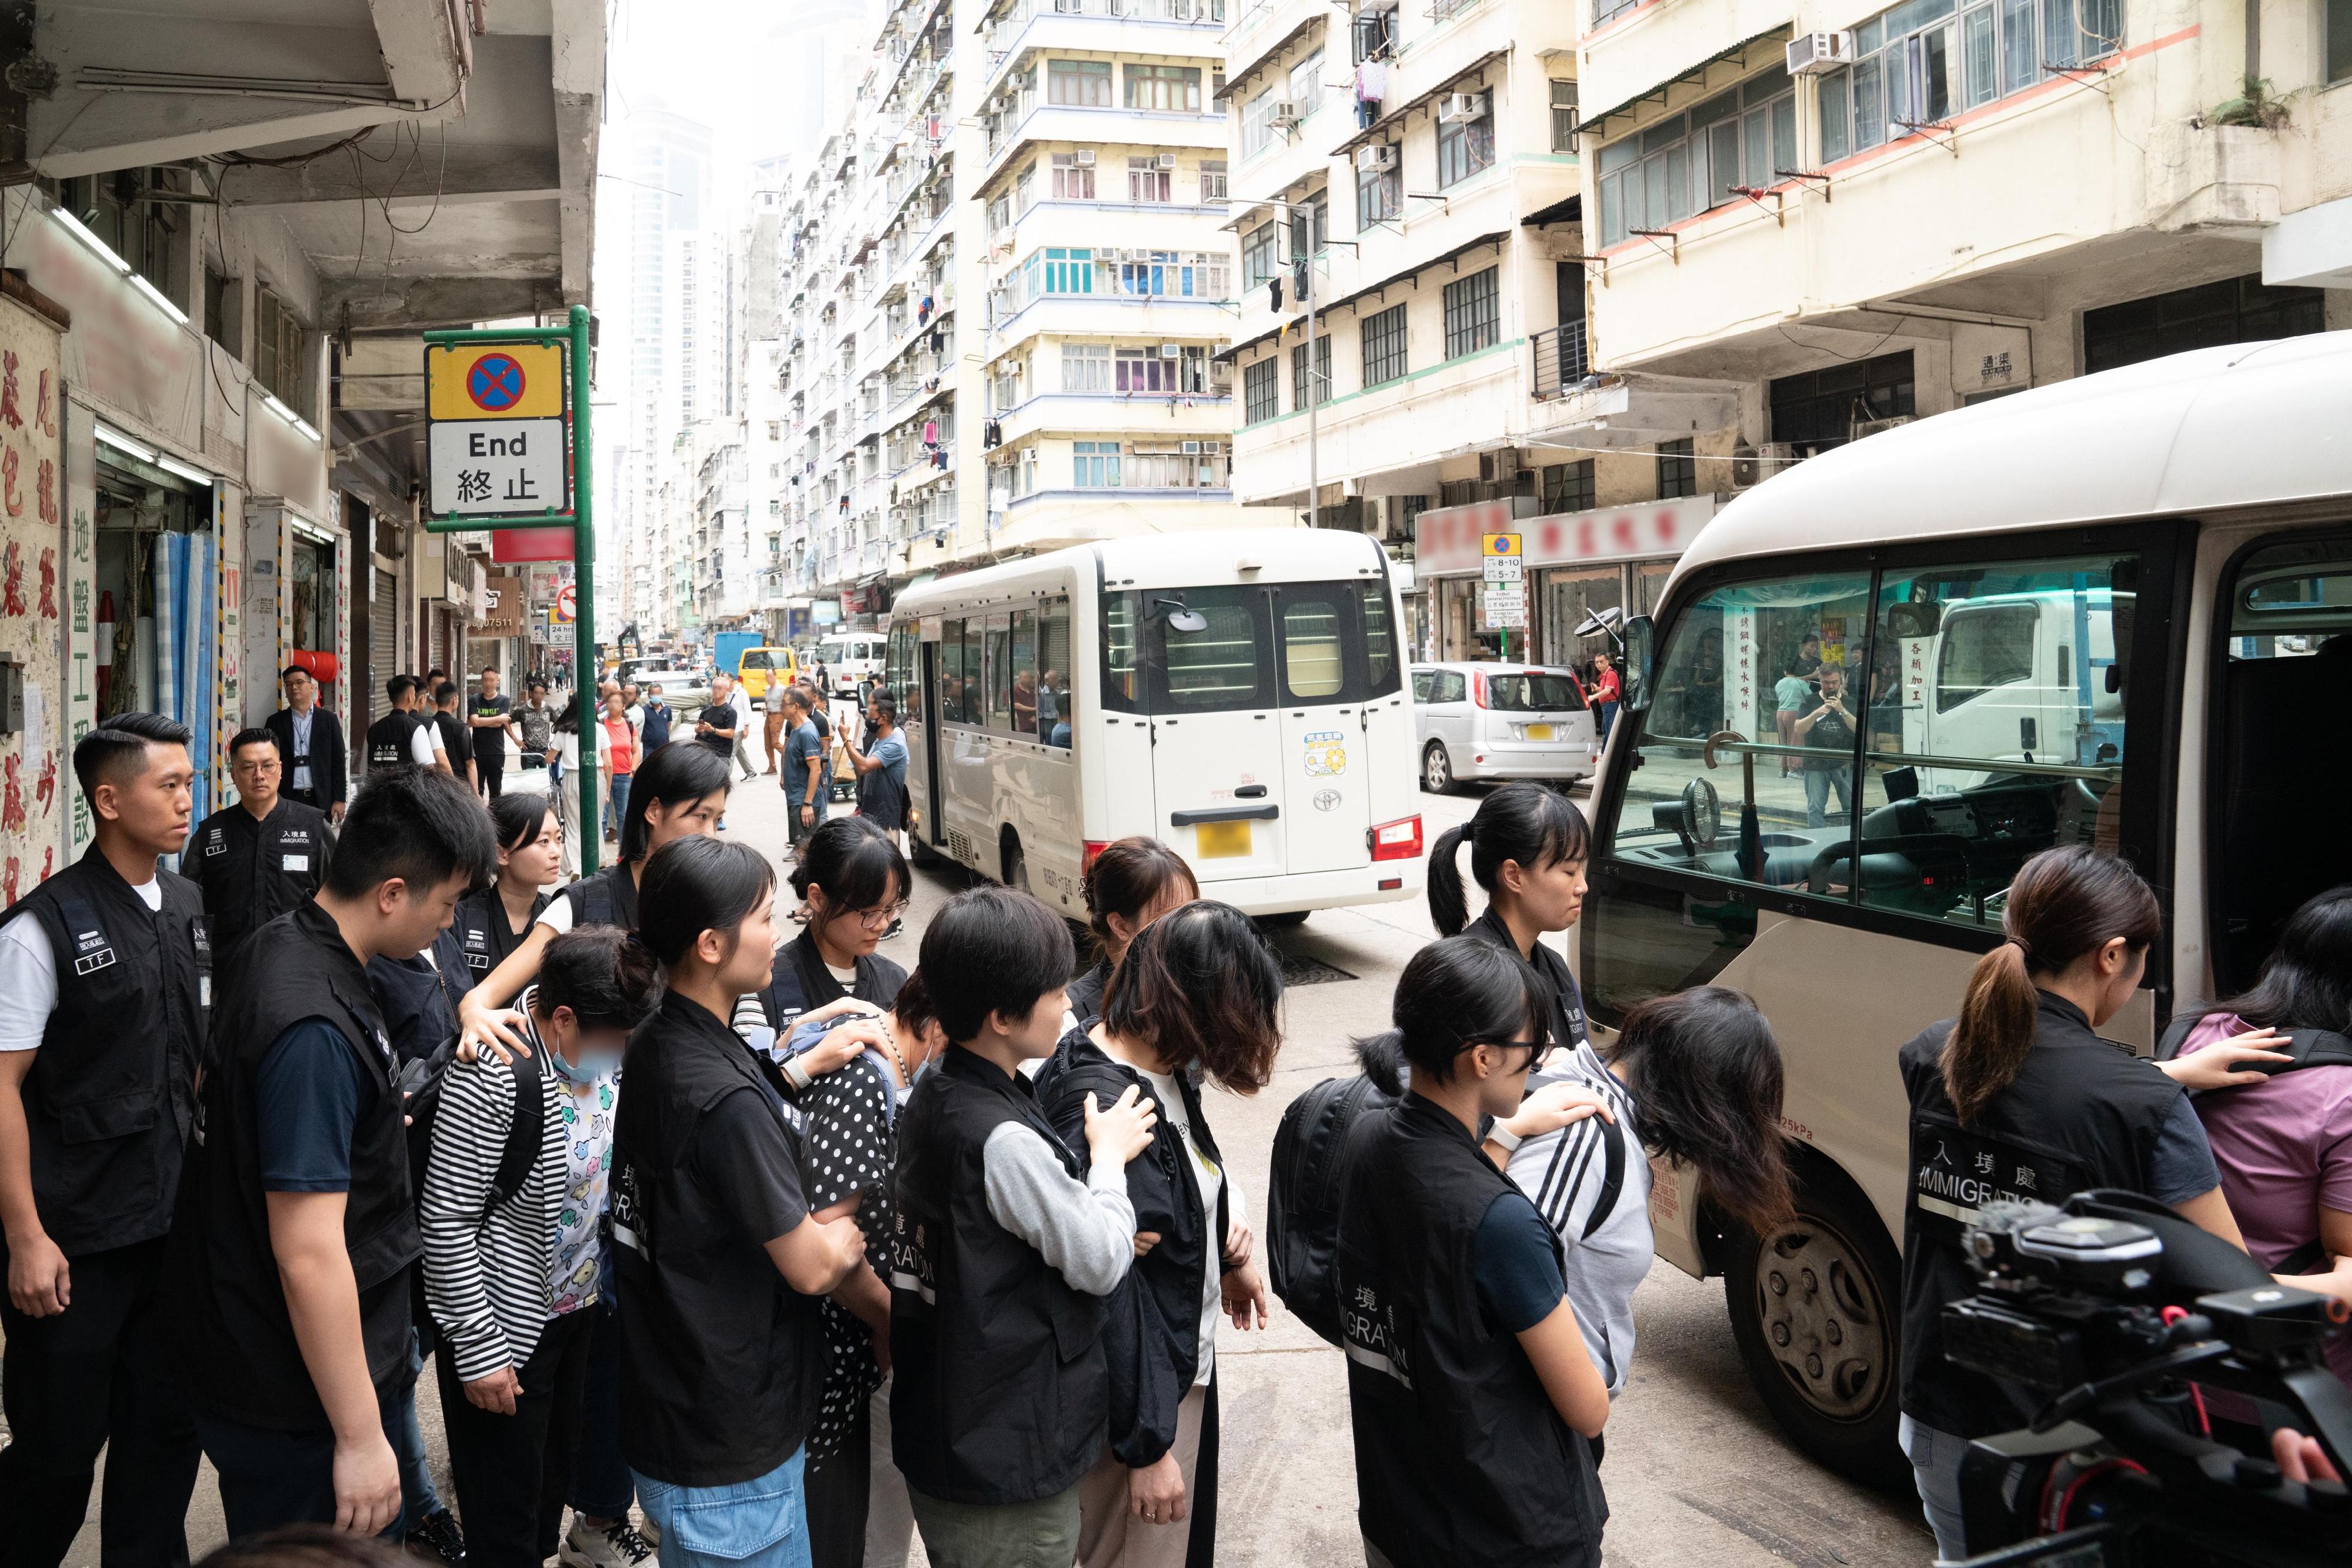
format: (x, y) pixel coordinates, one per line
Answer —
(1205, 650)
(1534, 692)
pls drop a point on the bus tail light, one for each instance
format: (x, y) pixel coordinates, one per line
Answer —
(1398, 840)
(1094, 847)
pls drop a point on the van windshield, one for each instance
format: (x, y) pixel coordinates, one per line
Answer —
(1535, 691)
(756, 659)
(1228, 648)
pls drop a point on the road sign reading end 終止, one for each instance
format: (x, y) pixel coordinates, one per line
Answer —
(497, 467)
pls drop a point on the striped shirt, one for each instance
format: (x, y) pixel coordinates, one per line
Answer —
(489, 1279)
(1565, 1173)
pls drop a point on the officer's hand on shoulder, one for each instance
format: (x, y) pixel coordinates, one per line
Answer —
(1122, 1130)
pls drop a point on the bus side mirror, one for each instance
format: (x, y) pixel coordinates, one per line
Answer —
(1634, 684)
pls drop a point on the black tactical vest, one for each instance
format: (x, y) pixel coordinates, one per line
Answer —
(2080, 1114)
(608, 898)
(1460, 1456)
(251, 872)
(388, 739)
(1000, 1393)
(482, 933)
(233, 1341)
(110, 1096)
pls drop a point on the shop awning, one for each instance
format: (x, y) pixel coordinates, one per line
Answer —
(1393, 120)
(1697, 78)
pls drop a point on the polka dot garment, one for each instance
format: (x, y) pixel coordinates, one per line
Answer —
(848, 1148)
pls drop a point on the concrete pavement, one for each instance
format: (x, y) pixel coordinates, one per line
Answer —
(1695, 1470)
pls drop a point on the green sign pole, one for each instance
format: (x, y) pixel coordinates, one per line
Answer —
(582, 519)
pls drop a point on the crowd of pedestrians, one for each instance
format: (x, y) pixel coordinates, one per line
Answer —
(744, 1246)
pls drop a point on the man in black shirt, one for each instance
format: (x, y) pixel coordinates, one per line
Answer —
(403, 737)
(260, 858)
(490, 717)
(1829, 730)
(451, 734)
(293, 1248)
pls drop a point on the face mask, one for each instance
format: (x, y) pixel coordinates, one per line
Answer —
(591, 1066)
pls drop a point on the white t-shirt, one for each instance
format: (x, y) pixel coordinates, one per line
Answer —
(1209, 1178)
(28, 972)
(424, 742)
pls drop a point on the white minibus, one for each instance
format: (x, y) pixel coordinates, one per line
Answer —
(2115, 610)
(1238, 694)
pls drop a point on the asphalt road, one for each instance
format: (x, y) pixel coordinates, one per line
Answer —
(1696, 1472)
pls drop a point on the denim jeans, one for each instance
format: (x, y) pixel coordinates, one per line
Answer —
(620, 803)
(1606, 720)
(1817, 785)
(419, 1500)
(601, 1484)
(758, 1523)
(1935, 1459)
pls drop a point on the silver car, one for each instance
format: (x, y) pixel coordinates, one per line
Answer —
(1487, 720)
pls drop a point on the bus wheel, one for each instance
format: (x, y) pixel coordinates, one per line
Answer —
(1016, 865)
(1816, 1311)
(1436, 770)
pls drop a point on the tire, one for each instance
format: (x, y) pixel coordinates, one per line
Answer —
(1816, 1310)
(1437, 769)
(1284, 921)
(921, 854)
(1016, 866)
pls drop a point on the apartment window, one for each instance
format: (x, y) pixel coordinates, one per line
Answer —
(1212, 180)
(1384, 345)
(1304, 84)
(1000, 214)
(1146, 181)
(1261, 254)
(277, 358)
(1563, 116)
(1380, 193)
(1168, 466)
(1259, 396)
(1086, 84)
(1310, 223)
(1073, 180)
(1175, 274)
(1568, 487)
(1024, 189)
(2232, 310)
(1374, 36)
(1465, 146)
(1610, 10)
(1820, 409)
(1677, 469)
(1257, 120)
(1085, 367)
(1096, 464)
(1473, 314)
(1693, 163)
(1307, 390)
(1069, 270)
(2339, 39)
(1175, 88)
(219, 291)
(1147, 369)
(1926, 60)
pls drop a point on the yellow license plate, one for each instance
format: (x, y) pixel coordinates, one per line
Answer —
(1539, 732)
(1221, 840)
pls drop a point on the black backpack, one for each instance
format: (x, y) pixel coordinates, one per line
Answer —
(1310, 1170)
(421, 1081)
(2308, 1047)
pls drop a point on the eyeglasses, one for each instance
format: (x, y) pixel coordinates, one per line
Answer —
(873, 919)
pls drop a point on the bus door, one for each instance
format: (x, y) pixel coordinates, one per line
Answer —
(933, 826)
(1217, 775)
(1327, 764)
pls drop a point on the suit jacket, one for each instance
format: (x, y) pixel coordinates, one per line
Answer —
(330, 760)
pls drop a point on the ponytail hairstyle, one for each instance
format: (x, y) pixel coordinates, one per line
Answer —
(697, 884)
(1706, 1072)
(1200, 987)
(2064, 904)
(670, 777)
(1459, 992)
(2306, 982)
(1126, 878)
(519, 816)
(1522, 821)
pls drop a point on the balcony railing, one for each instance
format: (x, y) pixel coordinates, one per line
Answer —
(1559, 360)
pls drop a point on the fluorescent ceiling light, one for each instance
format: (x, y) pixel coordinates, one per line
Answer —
(121, 443)
(171, 465)
(161, 300)
(74, 227)
(289, 416)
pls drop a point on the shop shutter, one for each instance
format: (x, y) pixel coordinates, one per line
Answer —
(384, 642)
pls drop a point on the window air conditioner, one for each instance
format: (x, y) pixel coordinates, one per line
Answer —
(1085, 157)
(1171, 351)
(1461, 108)
(1287, 115)
(1028, 454)
(1377, 159)
(1168, 160)
(1811, 54)
(1498, 467)
(1192, 449)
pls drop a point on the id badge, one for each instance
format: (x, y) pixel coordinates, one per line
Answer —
(297, 863)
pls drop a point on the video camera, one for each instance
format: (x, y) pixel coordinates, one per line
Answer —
(2102, 1315)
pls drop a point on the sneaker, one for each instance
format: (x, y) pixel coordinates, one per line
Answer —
(648, 1531)
(618, 1545)
(438, 1536)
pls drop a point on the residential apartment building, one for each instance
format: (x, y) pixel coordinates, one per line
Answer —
(1791, 226)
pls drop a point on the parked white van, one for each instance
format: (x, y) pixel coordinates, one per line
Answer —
(1239, 694)
(850, 657)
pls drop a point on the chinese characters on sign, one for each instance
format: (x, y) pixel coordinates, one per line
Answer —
(31, 607)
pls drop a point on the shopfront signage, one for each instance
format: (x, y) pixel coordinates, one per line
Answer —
(1450, 541)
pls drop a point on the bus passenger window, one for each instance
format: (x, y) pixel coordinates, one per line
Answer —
(1000, 673)
(1380, 642)
(1312, 664)
(1024, 672)
(1122, 652)
(972, 697)
(1996, 728)
(1774, 668)
(1054, 674)
(951, 672)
